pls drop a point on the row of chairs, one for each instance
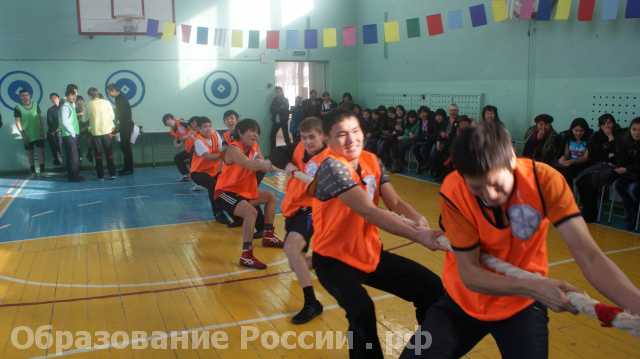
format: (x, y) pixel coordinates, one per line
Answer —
(609, 193)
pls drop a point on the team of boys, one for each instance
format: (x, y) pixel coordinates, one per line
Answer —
(493, 202)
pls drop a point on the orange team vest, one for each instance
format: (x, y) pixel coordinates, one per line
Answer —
(237, 179)
(190, 141)
(203, 164)
(340, 232)
(179, 131)
(227, 137)
(522, 243)
(295, 196)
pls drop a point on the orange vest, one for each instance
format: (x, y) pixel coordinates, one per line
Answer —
(237, 179)
(340, 232)
(295, 195)
(522, 243)
(190, 141)
(179, 131)
(227, 137)
(203, 164)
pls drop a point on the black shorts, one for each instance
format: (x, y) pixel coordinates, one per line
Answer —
(302, 224)
(228, 201)
(37, 143)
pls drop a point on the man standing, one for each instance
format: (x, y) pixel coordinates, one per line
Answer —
(29, 123)
(125, 127)
(100, 118)
(280, 117)
(70, 129)
(53, 128)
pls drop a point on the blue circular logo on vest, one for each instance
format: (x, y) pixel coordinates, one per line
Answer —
(130, 85)
(221, 88)
(14, 82)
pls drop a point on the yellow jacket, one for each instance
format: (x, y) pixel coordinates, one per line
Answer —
(101, 117)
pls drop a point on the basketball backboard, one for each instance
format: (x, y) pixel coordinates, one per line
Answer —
(121, 17)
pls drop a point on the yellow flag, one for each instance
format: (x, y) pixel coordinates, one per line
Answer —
(330, 37)
(500, 10)
(168, 31)
(563, 9)
(391, 31)
(236, 38)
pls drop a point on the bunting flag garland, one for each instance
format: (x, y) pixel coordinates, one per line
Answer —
(349, 36)
(434, 25)
(330, 37)
(186, 33)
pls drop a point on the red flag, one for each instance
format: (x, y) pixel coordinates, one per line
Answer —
(186, 33)
(585, 10)
(434, 25)
(273, 39)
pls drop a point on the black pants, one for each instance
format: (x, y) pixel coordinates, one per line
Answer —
(127, 152)
(590, 184)
(103, 146)
(629, 191)
(54, 145)
(422, 151)
(208, 182)
(182, 161)
(71, 157)
(284, 125)
(448, 332)
(394, 274)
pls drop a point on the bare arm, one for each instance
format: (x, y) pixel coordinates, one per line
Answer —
(234, 155)
(584, 158)
(396, 204)
(19, 124)
(475, 277)
(358, 200)
(601, 272)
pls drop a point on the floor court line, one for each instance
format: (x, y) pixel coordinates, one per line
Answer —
(42, 214)
(4, 226)
(105, 188)
(89, 204)
(10, 196)
(250, 321)
(136, 197)
(209, 327)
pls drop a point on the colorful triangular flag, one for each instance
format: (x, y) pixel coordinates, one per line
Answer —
(168, 31)
(455, 20)
(254, 39)
(413, 28)
(478, 15)
(500, 10)
(563, 10)
(330, 37)
(186, 33)
(434, 25)
(292, 39)
(237, 39)
(349, 36)
(585, 10)
(391, 31)
(203, 35)
(370, 34)
(273, 39)
(152, 27)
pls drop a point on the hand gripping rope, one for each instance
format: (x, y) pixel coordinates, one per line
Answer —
(608, 315)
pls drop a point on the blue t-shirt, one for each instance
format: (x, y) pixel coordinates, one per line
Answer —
(577, 149)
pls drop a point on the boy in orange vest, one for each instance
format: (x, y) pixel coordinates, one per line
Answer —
(503, 206)
(347, 250)
(296, 208)
(237, 190)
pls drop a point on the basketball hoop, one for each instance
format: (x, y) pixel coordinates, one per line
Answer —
(129, 26)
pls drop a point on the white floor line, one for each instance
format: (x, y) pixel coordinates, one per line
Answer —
(4, 226)
(211, 327)
(89, 204)
(105, 188)
(253, 321)
(42, 214)
(13, 193)
(136, 285)
(136, 197)
(186, 194)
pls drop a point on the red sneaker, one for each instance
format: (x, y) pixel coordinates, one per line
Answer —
(248, 260)
(270, 240)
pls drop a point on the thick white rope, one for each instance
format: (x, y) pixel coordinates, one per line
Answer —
(581, 301)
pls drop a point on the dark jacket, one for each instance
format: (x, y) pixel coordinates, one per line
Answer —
(548, 150)
(52, 119)
(280, 110)
(124, 119)
(601, 149)
(628, 156)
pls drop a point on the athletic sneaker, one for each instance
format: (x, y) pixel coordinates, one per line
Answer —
(197, 188)
(111, 178)
(248, 260)
(271, 240)
(184, 178)
(308, 312)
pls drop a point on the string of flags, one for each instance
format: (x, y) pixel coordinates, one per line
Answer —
(455, 19)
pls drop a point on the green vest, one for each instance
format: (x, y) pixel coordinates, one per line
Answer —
(74, 120)
(31, 123)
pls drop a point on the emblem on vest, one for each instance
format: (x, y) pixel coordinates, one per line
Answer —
(370, 183)
(525, 221)
(311, 168)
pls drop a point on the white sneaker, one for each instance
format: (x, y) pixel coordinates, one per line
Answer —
(197, 188)
(184, 178)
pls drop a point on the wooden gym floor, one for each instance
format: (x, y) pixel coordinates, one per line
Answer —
(142, 254)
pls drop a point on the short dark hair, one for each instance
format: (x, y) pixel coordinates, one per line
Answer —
(326, 93)
(412, 113)
(54, 94)
(424, 109)
(465, 118)
(492, 109)
(166, 117)
(606, 117)
(347, 94)
(23, 91)
(93, 92)
(310, 124)
(481, 148)
(112, 87)
(71, 89)
(334, 117)
(230, 113)
(193, 119)
(635, 121)
(544, 117)
(244, 126)
(202, 120)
